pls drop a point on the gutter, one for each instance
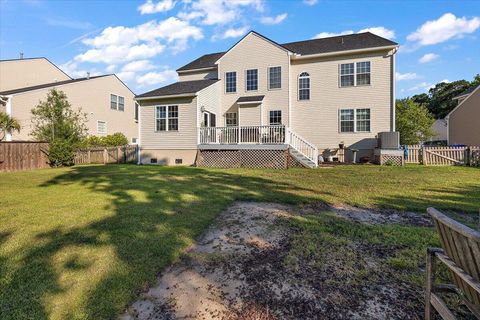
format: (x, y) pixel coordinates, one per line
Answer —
(337, 53)
(196, 70)
(193, 94)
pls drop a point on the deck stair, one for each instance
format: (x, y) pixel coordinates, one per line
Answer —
(302, 150)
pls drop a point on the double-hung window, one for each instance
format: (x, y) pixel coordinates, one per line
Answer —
(252, 80)
(231, 119)
(231, 82)
(136, 111)
(166, 118)
(275, 117)
(355, 74)
(304, 86)
(101, 127)
(275, 78)
(117, 102)
(355, 120)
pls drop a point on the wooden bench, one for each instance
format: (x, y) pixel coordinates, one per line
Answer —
(461, 255)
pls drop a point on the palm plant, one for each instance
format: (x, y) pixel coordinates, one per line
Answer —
(7, 124)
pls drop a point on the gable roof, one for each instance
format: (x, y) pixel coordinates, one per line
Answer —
(47, 85)
(179, 88)
(37, 58)
(466, 92)
(354, 41)
(474, 91)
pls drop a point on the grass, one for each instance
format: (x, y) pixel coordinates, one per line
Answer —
(82, 242)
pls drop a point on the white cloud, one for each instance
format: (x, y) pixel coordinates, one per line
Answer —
(126, 76)
(232, 33)
(273, 20)
(445, 81)
(68, 23)
(111, 68)
(161, 6)
(73, 70)
(310, 2)
(123, 44)
(218, 12)
(428, 57)
(444, 28)
(422, 86)
(380, 31)
(405, 76)
(139, 65)
(155, 78)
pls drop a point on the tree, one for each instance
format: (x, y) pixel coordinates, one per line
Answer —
(422, 99)
(476, 81)
(7, 125)
(413, 121)
(56, 122)
(441, 97)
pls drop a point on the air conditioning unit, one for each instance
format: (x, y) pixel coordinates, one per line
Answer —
(389, 140)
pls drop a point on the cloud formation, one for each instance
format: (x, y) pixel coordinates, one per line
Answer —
(379, 31)
(161, 6)
(273, 20)
(428, 57)
(405, 76)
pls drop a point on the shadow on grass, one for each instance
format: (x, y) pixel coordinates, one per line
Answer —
(157, 212)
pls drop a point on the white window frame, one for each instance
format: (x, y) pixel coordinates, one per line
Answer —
(226, 86)
(354, 120)
(309, 85)
(269, 79)
(270, 116)
(167, 118)
(136, 111)
(106, 128)
(355, 73)
(117, 102)
(236, 118)
(246, 80)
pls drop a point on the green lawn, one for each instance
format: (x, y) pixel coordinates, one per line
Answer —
(82, 242)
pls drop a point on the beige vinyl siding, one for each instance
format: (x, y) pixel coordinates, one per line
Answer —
(22, 73)
(210, 99)
(250, 116)
(254, 52)
(168, 156)
(92, 96)
(183, 139)
(317, 119)
(198, 75)
(464, 122)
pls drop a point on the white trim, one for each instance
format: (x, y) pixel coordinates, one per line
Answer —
(139, 144)
(336, 53)
(289, 87)
(117, 103)
(106, 128)
(8, 109)
(166, 117)
(250, 102)
(339, 114)
(196, 70)
(392, 76)
(309, 86)
(463, 101)
(354, 74)
(181, 95)
(225, 119)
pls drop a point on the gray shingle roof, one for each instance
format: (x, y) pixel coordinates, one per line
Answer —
(47, 85)
(466, 92)
(250, 99)
(182, 87)
(205, 61)
(323, 45)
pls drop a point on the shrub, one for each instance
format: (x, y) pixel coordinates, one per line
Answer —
(61, 153)
(114, 140)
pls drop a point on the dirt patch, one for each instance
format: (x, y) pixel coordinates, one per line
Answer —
(245, 267)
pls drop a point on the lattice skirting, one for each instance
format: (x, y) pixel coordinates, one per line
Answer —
(386, 159)
(277, 159)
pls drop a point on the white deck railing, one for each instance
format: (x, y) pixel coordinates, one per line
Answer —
(242, 135)
(300, 144)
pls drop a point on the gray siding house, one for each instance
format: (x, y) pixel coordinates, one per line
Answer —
(302, 97)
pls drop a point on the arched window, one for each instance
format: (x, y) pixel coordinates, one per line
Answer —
(304, 86)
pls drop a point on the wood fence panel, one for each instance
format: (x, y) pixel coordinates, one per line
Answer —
(127, 154)
(18, 156)
(414, 155)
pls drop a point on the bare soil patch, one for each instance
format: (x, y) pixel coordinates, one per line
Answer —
(245, 267)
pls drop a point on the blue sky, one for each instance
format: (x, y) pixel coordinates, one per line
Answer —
(145, 41)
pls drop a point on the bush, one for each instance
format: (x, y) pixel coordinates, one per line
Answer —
(61, 153)
(114, 140)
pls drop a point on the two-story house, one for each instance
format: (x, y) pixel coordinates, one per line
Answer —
(106, 101)
(303, 98)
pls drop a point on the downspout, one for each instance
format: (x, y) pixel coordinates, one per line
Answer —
(8, 137)
(289, 93)
(392, 124)
(139, 143)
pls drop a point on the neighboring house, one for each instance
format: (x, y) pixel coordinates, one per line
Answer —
(306, 97)
(107, 102)
(440, 129)
(21, 73)
(464, 120)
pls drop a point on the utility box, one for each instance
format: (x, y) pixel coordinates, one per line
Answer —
(389, 140)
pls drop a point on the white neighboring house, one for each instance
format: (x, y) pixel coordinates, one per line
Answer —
(464, 120)
(306, 97)
(441, 130)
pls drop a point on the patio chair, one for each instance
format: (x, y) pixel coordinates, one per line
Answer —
(461, 255)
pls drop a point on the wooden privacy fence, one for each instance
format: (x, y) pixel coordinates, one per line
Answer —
(19, 155)
(126, 154)
(448, 155)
